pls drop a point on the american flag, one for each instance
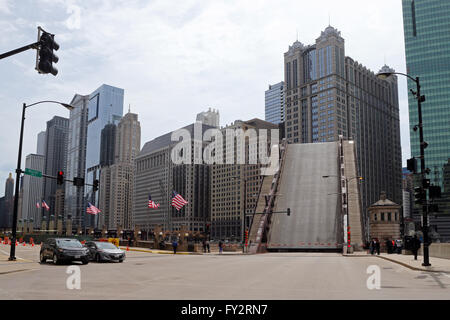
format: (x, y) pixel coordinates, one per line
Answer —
(38, 205)
(45, 205)
(91, 209)
(151, 203)
(177, 201)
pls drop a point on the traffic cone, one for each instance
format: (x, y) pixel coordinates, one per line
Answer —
(32, 244)
(17, 243)
(24, 244)
(128, 248)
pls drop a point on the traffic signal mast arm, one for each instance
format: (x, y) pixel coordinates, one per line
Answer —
(19, 50)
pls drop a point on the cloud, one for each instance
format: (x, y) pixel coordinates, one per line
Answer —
(5, 6)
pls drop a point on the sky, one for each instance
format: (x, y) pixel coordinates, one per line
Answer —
(175, 59)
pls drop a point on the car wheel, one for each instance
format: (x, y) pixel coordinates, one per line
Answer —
(55, 259)
(121, 260)
(42, 258)
(97, 258)
(85, 261)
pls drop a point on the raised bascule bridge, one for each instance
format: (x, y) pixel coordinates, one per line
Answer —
(318, 182)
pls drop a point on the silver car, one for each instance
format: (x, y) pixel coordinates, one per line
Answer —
(104, 251)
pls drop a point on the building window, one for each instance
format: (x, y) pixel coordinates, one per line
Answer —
(382, 216)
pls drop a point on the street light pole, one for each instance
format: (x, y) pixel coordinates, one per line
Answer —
(383, 75)
(12, 255)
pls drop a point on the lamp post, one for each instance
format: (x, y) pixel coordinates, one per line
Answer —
(12, 256)
(346, 221)
(384, 74)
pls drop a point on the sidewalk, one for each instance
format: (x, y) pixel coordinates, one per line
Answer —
(437, 264)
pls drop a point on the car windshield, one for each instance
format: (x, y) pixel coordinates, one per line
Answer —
(106, 245)
(69, 243)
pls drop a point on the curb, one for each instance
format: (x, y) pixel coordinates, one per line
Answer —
(411, 267)
(157, 251)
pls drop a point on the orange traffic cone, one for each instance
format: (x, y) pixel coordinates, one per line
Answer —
(24, 244)
(128, 248)
(32, 244)
(17, 243)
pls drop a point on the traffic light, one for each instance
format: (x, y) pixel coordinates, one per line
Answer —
(419, 195)
(79, 182)
(426, 183)
(288, 211)
(60, 177)
(45, 54)
(411, 165)
(95, 187)
(435, 192)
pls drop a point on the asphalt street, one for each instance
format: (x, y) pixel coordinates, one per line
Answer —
(298, 276)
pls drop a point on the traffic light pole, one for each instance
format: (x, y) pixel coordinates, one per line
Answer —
(426, 255)
(19, 50)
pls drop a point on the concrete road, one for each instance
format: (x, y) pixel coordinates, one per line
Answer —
(229, 277)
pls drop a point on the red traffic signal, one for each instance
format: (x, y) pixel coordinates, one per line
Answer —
(60, 177)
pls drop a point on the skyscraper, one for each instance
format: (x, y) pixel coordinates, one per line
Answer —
(76, 158)
(40, 149)
(117, 180)
(105, 107)
(210, 117)
(328, 94)
(427, 46)
(157, 175)
(107, 145)
(274, 100)
(55, 158)
(33, 189)
(7, 204)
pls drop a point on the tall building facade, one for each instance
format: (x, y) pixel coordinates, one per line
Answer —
(105, 107)
(274, 103)
(40, 147)
(235, 185)
(427, 46)
(157, 175)
(33, 190)
(210, 117)
(7, 205)
(328, 94)
(74, 204)
(55, 159)
(117, 180)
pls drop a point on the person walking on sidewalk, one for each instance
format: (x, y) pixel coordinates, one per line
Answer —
(377, 246)
(220, 246)
(204, 245)
(175, 245)
(207, 246)
(415, 246)
(373, 245)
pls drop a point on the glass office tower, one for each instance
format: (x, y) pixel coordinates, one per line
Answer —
(274, 101)
(427, 44)
(105, 107)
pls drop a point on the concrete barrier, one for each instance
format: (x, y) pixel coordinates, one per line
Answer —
(438, 250)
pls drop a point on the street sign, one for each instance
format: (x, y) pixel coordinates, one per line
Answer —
(33, 173)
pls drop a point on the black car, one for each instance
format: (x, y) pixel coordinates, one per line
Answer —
(63, 250)
(104, 251)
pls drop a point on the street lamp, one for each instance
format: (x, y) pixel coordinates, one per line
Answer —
(12, 256)
(245, 212)
(346, 216)
(384, 74)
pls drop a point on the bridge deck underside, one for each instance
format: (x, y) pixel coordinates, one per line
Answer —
(315, 220)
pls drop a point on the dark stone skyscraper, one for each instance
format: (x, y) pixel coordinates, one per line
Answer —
(328, 94)
(55, 157)
(7, 204)
(107, 144)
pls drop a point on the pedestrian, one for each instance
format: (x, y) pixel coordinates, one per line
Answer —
(220, 246)
(377, 246)
(415, 246)
(373, 245)
(175, 245)
(388, 246)
(130, 242)
(207, 246)
(204, 245)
